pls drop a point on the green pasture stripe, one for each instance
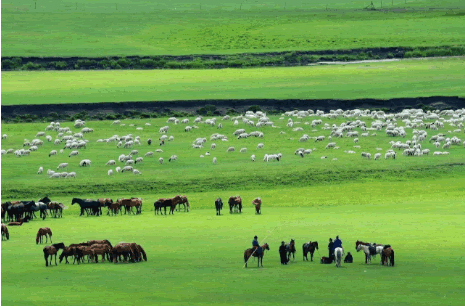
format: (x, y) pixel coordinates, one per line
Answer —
(97, 28)
(410, 78)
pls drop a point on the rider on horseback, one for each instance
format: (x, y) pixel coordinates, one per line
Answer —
(256, 246)
(337, 244)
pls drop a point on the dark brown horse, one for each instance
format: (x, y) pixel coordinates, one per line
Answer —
(182, 200)
(101, 249)
(388, 253)
(44, 231)
(163, 203)
(309, 247)
(290, 247)
(69, 251)
(124, 249)
(15, 223)
(92, 242)
(236, 203)
(51, 250)
(5, 233)
(258, 204)
(256, 253)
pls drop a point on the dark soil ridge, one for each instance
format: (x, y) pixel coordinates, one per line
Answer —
(218, 61)
(113, 110)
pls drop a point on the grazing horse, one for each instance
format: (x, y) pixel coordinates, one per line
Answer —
(163, 203)
(258, 204)
(290, 248)
(142, 252)
(16, 223)
(218, 206)
(43, 231)
(388, 253)
(100, 249)
(69, 251)
(56, 209)
(92, 242)
(182, 200)
(104, 202)
(128, 204)
(114, 208)
(5, 233)
(92, 205)
(338, 253)
(236, 203)
(250, 252)
(122, 249)
(368, 249)
(309, 247)
(52, 250)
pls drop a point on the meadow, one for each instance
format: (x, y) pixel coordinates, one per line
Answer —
(408, 78)
(117, 28)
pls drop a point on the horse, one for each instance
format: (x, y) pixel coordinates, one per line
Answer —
(43, 231)
(114, 208)
(104, 202)
(250, 252)
(52, 250)
(258, 204)
(338, 253)
(86, 205)
(142, 252)
(368, 250)
(236, 203)
(218, 206)
(182, 200)
(125, 249)
(100, 249)
(69, 251)
(92, 242)
(83, 251)
(160, 203)
(309, 247)
(56, 209)
(16, 223)
(290, 247)
(388, 253)
(5, 233)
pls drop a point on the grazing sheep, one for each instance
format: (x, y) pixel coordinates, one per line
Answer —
(425, 152)
(214, 160)
(118, 169)
(3, 152)
(136, 172)
(127, 168)
(110, 162)
(40, 134)
(139, 160)
(130, 162)
(377, 156)
(71, 174)
(85, 163)
(134, 152)
(230, 149)
(252, 158)
(366, 155)
(172, 158)
(320, 138)
(73, 153)
(323, 157)
(110, 172)
(55, 175)
(330, 145)
(53, 152)
(62, 166)
(260, 146)
(4, 136)
(40, 170)
(213, 146)
(355, 140)
(160, 160)
(159, 150)
(243, 150)
(150, 153)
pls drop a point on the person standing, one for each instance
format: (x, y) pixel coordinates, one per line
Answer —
(283, 253)
(331, 249)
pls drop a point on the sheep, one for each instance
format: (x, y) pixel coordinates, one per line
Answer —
(64, 174)
(134, 152)
(214, 160)
(62, 166)
(159, 150)
(355, 140)
(40, 170)
(54, 175)
(173, 158)
(71, 174)
(118, 169)
(4, 136)
(127, 168)
(320, 138)
(85, 163)
(377, 156)
(187, 129)
(130, 162)
(425, 152)
(330, 145)
(243, 150)
(139, 160)
(185, 121)
(230, 149)
(3, 152)
(49, 138)
(160, 160)
(236, 122)
(136, 172)
(260, 146)
(73, 153)
(213, 146)
(150, 153)
(53, 152)
(110, 162)
(202, 156)
(40, 134)
(252, 158)
(323, 157)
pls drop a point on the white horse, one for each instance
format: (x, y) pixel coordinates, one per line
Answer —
(366, 250)
(338, 253)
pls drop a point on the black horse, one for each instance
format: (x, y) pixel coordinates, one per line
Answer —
(51, 250)
(87, 205)
(290, 247)
(162, 203)
(219, 206)
(309, 247)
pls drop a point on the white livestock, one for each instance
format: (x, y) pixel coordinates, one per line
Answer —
(377, 156)
(40, 170)
(243, 150)
(62, 166)
(160, 160)
(173, 158)
(230, 149)
(139, 160)
(260, 146)
(110, 172)
(110, 162)
(73, 153)
(118, 169)
(85, 163)
(136, 172)
(71, 174)
(150, 153)
(214, 160)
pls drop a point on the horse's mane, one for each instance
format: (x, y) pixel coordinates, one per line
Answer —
(58, 245)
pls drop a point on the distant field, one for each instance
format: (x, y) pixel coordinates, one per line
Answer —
(409, 78)
(104, 28)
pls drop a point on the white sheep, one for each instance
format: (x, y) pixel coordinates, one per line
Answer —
(62, 166)
(53, 152)
(71, 174)
(73, 153)
(160, 160)
(85, 163)
(243, 150)
(252, 158)
(377, 156)
(110, 162)
(40, 170)
(139, 160)
(130, 162)
(213, 146)
(55, 175)
(4, 136)
(173, 158)
(230, 149)
(118, 169)
(214, 160)
(127, 168)
(355, 140)
(150, 153)
(136, 172)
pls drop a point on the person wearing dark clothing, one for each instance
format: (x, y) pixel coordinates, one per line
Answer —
(330, 248)
(337, 243)
(349, 258)
(283, 253)
(256, 246)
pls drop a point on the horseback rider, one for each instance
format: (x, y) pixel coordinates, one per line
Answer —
(330, 248)
(256, 246)
(337, 244)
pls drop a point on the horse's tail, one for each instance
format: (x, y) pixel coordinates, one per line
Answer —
(143, 253)
(46, 256)
(37, 237)
(392, 258)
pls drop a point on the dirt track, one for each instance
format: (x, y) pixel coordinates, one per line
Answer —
(222, 106)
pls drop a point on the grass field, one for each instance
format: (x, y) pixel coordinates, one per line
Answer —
(104, 28)
(409, 78)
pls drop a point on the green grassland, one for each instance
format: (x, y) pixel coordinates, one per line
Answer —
(408, 78)
(97, 28)
(196, 257)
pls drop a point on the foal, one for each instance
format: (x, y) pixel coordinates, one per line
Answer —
(5, 233)
(43, 231)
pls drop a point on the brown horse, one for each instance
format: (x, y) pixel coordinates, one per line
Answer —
(258, 204)
(122, 249)
(256, 253)
(56, 209)
(52, 250)
(309, 247)
(388, 253)
(182, 200)
(43, 231)
(69, 251)
(142, 252)
(101, 249)
(163, 203)
(128, 204)
(114, 208)
(290, 247)
(236, 203)
(5, 233)
(16, 223)
(92, 242)
(83, 251)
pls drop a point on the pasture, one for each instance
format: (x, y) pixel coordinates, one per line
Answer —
(408, 78)
(117, 28)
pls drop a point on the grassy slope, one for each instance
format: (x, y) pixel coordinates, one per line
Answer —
(409, 78)
(196, 258)
(56, 28)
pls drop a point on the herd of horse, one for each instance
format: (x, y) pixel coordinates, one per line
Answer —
(235, 205)
(385, 251)
(124, 252)
(17, 211)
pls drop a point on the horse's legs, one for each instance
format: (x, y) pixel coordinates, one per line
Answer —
(311, 256)
(56, 259)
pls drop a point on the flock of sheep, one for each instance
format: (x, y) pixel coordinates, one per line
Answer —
(410, 124)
